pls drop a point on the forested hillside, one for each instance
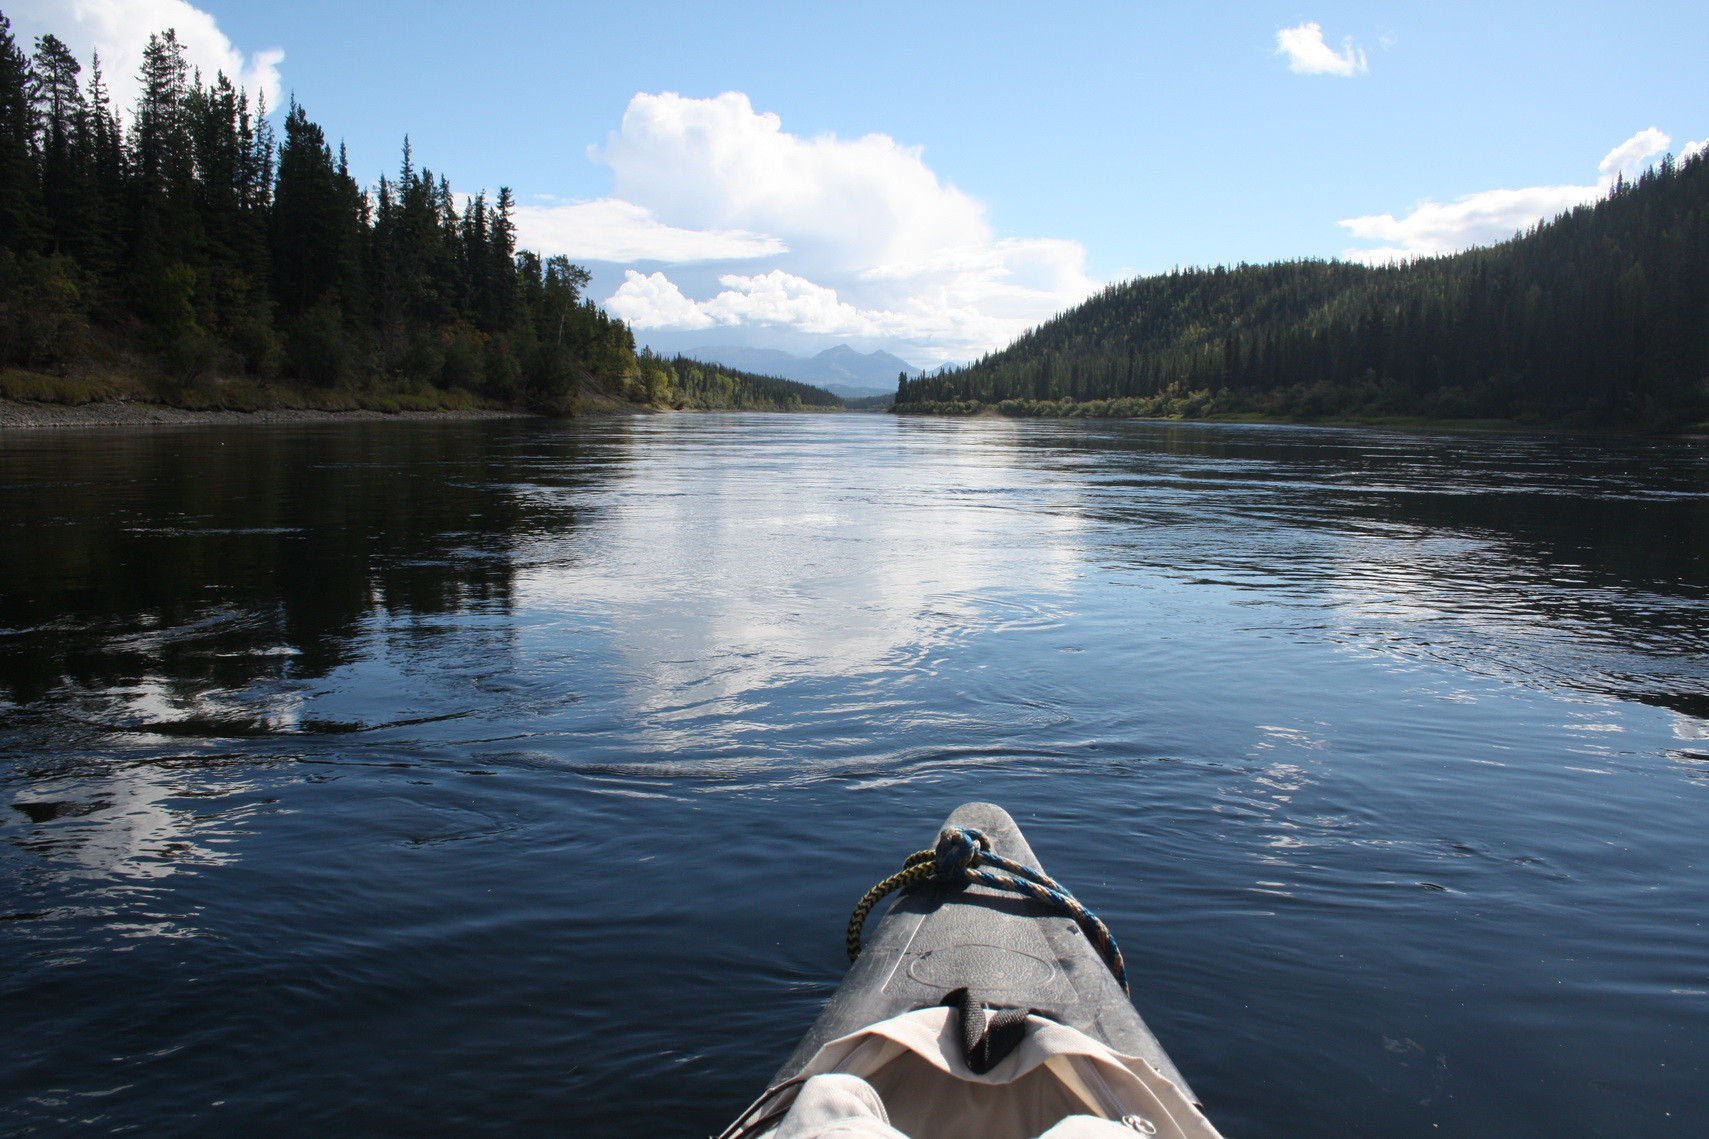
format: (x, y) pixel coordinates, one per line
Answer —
(1599, 317)
(695, 383)
(186, 253)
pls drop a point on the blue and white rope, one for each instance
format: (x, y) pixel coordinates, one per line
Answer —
(963, 856)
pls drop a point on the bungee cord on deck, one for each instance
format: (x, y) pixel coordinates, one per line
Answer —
(962, 857)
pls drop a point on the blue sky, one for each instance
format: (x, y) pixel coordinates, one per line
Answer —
(735, 192)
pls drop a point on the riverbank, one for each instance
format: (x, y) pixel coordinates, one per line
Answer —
(14, 413)
(119, 398)
(126, 398)
(1567, 426)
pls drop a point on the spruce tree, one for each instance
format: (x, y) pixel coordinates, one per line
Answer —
(60, 132)
(20, 211)
(161, 216)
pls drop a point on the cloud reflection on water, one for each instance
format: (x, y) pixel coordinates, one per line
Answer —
(863, 578)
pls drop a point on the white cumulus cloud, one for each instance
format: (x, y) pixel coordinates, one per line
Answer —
(119, 30)
(1309, 55)
(1630, 157)
(1490, 216)
(854, 237)
(783, 298)
(848, 203)
(653, 301)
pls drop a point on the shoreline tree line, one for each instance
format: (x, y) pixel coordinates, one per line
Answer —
(191, 246)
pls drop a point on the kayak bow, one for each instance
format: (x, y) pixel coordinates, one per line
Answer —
(976, 1010)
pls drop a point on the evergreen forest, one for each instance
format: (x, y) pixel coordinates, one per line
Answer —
(1597, 318)
(191, 254)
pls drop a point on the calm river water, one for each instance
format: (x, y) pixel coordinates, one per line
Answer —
(518, 777)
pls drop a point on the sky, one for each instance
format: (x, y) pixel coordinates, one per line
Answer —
(934, 178)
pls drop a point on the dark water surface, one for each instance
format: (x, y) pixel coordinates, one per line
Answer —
(517, 778)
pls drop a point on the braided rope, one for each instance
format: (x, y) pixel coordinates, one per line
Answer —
(918, 868)
(960, 858)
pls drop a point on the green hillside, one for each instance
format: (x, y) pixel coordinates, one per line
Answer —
(1600, 317)
(688, 383)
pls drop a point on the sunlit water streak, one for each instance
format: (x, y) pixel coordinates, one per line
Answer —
(517, 777)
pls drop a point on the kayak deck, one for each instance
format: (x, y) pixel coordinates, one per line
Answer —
(1005, 949)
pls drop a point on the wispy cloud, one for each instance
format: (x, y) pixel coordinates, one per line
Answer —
(611, 229)
(1309, 55)
(1490, 216)
(855, 238)
(119, 30)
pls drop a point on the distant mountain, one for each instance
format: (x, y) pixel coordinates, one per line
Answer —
(843, 365)
(850, 374)
(851, 391)
(763, 361)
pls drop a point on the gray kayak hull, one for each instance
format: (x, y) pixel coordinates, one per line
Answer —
(1005, 949)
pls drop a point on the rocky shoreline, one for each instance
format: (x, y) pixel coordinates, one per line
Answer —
(125, 414)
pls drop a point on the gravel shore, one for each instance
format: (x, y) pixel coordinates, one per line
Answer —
(14, 414)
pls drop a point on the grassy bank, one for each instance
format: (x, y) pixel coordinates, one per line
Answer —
(231, 394)
(1209, 407)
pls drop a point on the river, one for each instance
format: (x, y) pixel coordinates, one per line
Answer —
(518, 777)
